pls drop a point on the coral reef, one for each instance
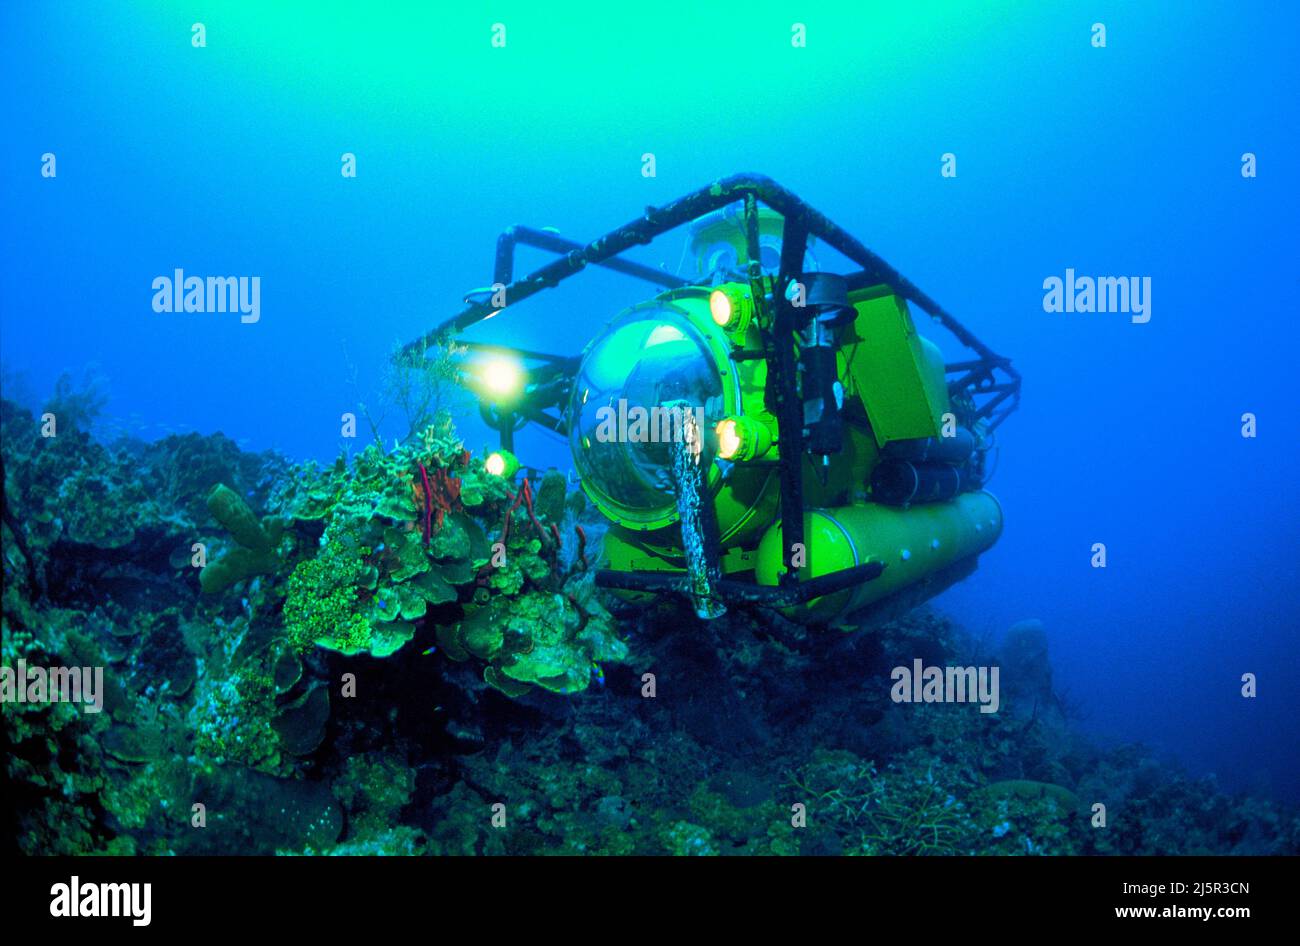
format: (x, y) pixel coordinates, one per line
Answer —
(399, 653)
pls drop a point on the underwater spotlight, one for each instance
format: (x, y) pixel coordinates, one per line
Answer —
(741, 439)
(730, 307)
(720, 306)
(503, 377)
(501, 463)
(728, 439)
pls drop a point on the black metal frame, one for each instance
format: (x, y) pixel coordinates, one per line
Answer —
(990, 378)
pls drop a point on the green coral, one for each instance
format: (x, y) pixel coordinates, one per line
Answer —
(684, 839)
(231, 720)
(907, 809)
(553, 640)
(322, 607)
(252, 706)
(377, 574)
(94, 509)
(373, 789)
(354, 597)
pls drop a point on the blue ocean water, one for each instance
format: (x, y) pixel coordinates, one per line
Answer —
(1122, 160)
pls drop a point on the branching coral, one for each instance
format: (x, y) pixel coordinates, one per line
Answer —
(904, 810)
(423, 385)
(76, 408)
(439, 494)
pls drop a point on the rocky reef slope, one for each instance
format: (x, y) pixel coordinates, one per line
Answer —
(401, 654)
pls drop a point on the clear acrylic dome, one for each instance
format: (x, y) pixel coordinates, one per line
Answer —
(627, 409)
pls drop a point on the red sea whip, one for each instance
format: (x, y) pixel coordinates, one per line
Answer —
(428, 503)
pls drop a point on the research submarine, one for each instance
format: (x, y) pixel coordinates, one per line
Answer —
(763, 431)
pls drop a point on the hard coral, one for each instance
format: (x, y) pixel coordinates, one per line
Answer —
(907, 809)
(550, 640)
(322, 607)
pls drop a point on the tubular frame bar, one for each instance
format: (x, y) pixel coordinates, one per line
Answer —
(788, 405)
(504, 270)
(659, 220)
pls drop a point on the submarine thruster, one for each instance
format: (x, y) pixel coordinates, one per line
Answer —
(762, 431)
